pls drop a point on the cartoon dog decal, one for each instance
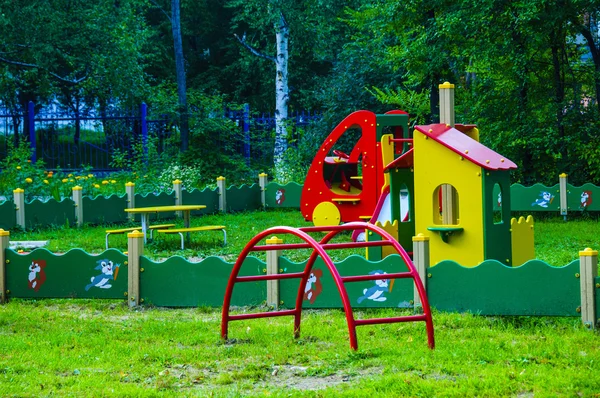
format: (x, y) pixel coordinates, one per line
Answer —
(108, 271)
(37, 274)
(586, 200)
(376, 293)
(313, 286)
(280, 196)
(544, 200)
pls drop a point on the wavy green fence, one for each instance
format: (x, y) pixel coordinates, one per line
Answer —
(244, 198)
(104, 209)
(287, 195)
(177, 282)
(491, 288)
(42, 274)
(150, 200)
(535, 198)
(207, 197)
(8, 216)
(583, 198)
(323, 293)
(51, 212)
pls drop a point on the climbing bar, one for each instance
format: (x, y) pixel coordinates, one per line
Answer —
(400, 140)
(377, 321)
(272, 277)
(359, 278)
(347, 245)
(262, 315)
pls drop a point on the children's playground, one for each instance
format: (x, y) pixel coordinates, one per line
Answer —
(422, 216)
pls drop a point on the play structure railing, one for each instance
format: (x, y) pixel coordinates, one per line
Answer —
(561, 199)
(490, 288)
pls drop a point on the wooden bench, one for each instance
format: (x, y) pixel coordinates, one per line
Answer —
(181, 231)
(125, 230)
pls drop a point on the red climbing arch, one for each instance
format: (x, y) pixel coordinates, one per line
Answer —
(319, 249)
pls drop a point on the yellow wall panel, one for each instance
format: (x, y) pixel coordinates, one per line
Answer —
(522, 240)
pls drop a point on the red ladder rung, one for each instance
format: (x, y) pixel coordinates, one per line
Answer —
(261, 315)
(349, 245)
(376, 321)
(272, 277)
(358, 278)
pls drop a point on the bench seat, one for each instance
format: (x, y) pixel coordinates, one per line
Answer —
(181, 231)
(126, 230)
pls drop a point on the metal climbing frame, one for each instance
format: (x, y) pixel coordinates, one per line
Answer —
(319, 249)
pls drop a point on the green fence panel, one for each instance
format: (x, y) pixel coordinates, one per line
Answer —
(244, 198)
(8, 216)
(42, 274)
(207, 197)
(104, 209)
(177, 282)
(535, 198)
(323, 292)
(583, 198)
(491, 288)
(39, 213)
(287, 195)
(162, 199)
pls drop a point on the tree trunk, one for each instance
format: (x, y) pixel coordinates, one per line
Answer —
(282, 95)
(180, 71)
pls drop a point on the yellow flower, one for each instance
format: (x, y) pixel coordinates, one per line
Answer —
(90, 175)
(45, 181)
(96, 186)
(18, 167)
(65, 180)
(72, 180)
(28, 180)
(104, 182)
(77, 178)
(70, 175)
(112, 181)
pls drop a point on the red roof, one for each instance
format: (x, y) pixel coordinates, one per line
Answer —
(403, 162)
(466, 147)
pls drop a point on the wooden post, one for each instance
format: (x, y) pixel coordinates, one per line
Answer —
(262, 181)
(4, 244)
(562, 180)
(178, 198)
(272, 269)
(588, 270)
(19, 199)
(421, 261)
(222, 194)
(447, 117)
(130, 190)
(78, 199)
(135, 249)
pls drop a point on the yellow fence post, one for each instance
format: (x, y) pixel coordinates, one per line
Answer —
(130, 190)
(135, 249)
(421, 261)
(178, 198)
(78, 199)
(262, 181)
(222, 194)
(588, 271)
(562, 183)
(4, 244)
(19, 200)
(272, 269)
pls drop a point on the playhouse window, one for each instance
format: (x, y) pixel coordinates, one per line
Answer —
(445, 205)
(404, 203)
(497, 204)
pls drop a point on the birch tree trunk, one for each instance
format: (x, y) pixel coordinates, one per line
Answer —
(282, 96)
(180, 72)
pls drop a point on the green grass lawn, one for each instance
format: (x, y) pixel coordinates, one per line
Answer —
(102, 348)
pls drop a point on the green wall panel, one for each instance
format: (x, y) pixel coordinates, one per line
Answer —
(491, 288)
(162, 199)
(534, 198)
(8, 216)
(104, 209)
(287, 195)
(207, 197)
(585, 197)
(177, 282)
(243, 198)
(65, 276)
(327, 295)
(38, 213)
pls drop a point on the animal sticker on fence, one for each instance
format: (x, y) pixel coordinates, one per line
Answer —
(545, 199)
(499, 199)
(586, 200)
(108, 271)
(377, 292)
(37, 274)
(280, 196)
(313, 286)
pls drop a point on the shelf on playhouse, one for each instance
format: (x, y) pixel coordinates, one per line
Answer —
(445, 230)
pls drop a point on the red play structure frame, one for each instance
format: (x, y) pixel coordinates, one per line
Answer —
(319, 250)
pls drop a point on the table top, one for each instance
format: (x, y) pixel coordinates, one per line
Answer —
(155, 209)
